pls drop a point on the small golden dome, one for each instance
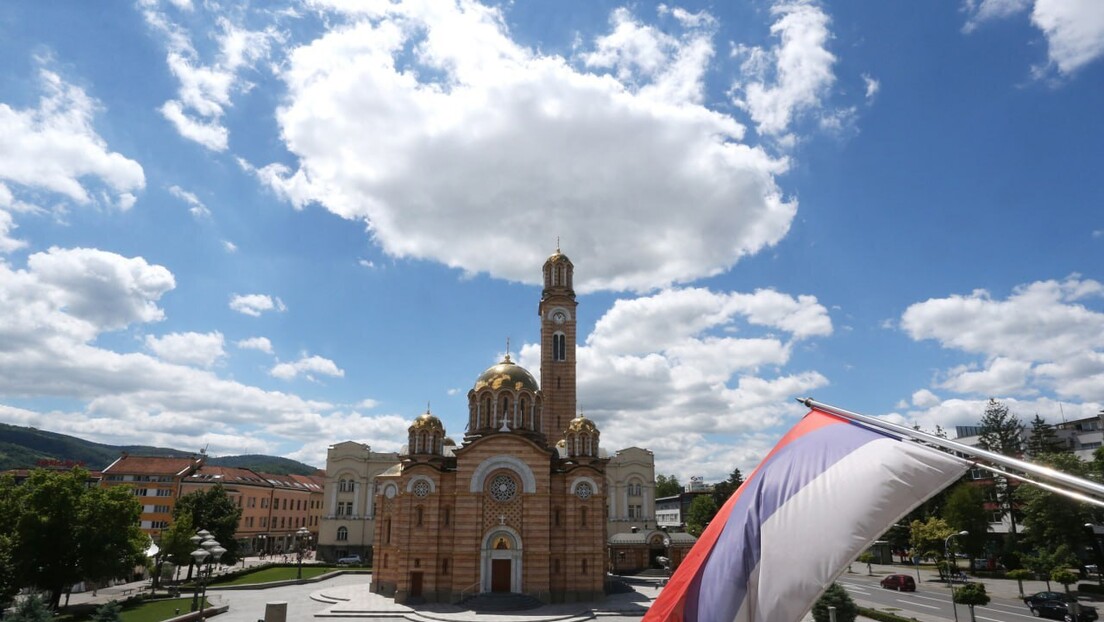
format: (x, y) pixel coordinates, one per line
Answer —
(449, 441)
(506, 375)
(427, 422)
(581, 424)
(558, 257)
(561, 443)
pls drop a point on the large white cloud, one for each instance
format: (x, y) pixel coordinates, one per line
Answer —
(55, 148)
(713, 366)
(207, 87)
(1074, 29)
(199, 349)
(791, 77)
(52, 315)
(448, 138)
(309, 366)
(1042, 344)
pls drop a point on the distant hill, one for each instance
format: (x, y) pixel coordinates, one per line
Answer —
(22, 448)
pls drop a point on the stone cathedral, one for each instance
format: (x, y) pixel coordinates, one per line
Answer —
(519, 506)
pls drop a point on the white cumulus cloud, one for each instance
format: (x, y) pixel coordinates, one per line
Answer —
(256, 343)
(437, 122)
(309, 366)
(1074, 29)
(197, 349)
(255, 304)
(791, 77)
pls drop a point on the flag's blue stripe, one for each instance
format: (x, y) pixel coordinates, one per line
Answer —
(721, 588)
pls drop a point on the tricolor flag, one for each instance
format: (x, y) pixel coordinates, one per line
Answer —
(819, 498)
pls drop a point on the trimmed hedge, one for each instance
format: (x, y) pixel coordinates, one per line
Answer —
(883, 616)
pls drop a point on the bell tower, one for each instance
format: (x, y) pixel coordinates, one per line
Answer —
(558, 322)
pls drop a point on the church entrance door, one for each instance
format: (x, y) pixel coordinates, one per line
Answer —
(500, 575)
(415, 584)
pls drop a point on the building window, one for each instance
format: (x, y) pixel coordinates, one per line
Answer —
(582, 517)
(584, 566)
(556, 517)
(555, 566)
(447, 517)
(418, 517)
(387, 533)
(342, 534)
(140, 492)
(444, 566)
(559, 347)
(385, 560)
(503, 488)
(996, 516)
(583, 490)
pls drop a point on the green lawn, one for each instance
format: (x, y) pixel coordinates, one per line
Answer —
(278, 573)
(157, 610)
(150, 611)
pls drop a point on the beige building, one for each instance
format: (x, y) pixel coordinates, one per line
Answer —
(348, 502)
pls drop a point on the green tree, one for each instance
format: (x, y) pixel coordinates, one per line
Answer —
(835, 596)
(972, 595)
(1002, 433)
(65, 532)
(1019, 575)
(702, 510)
(667, 486)
(176, 544)
(1063, 576)
(927, 537)
(723, 490)
(9, 586)
(109, 612)
(212, 509)
(965, 511)
(1043, 439)
(1044, 562)
(1052, 520)
(31, 609)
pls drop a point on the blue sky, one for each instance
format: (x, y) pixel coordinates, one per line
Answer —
(269, 228)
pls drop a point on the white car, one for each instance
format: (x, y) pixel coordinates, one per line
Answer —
(351, 560)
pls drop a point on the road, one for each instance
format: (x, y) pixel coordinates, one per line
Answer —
(931, 601)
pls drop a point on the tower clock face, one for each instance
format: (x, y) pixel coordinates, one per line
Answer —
(559, 317)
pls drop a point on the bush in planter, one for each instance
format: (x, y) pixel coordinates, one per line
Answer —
(108, 613)
(971, 595)
(1019, 575)
(835, 596)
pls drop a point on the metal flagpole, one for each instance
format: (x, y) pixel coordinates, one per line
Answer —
(1083, 490)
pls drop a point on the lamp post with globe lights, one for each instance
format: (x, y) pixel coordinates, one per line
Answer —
(302, 544)
(210, 551)
(950, 575)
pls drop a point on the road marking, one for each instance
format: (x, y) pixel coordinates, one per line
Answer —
(1008, 613)
(909, 602)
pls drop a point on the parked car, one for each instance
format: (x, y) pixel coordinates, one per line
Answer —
(1058, 606)
(352, 560)
(899, 582)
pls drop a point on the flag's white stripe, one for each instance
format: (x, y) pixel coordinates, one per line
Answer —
(808, 541)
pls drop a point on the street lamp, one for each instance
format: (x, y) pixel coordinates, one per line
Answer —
(207, 550)
(301, 545)
(950, 575)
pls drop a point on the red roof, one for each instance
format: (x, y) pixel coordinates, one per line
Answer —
(151, 465)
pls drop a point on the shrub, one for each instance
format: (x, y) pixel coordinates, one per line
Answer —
(835, 596)
(108, 613)
(31, 609)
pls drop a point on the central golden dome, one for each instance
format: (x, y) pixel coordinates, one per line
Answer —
(427, 422)
(506, 375)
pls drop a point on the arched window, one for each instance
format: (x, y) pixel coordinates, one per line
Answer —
(446, 516)
(342, 534)
(486, 416)
(444, 566)
(582, 517)
(418, 517)
(559, 347)
(387, 532)
(584, 566)
(523, 407)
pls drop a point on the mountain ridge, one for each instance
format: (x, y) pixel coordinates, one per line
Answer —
(25, 447)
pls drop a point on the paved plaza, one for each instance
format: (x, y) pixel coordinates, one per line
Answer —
(347, 597)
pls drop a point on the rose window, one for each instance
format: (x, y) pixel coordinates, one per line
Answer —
(421, 488)
(503, 488)
(583, 490)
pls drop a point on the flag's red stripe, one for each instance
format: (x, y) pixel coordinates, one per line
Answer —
(672, 600)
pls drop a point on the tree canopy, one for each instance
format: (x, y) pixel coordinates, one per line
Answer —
(212, 509)
(667, 486)
(965, 511)
(1052, 520)
(702, 509)
(1043, 440)
(65, 531)
(723, 490)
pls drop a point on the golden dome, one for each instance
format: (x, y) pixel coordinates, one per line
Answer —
(506, 375)
(561, 443)
(581, 424)
(427, 422)
(557, 257)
